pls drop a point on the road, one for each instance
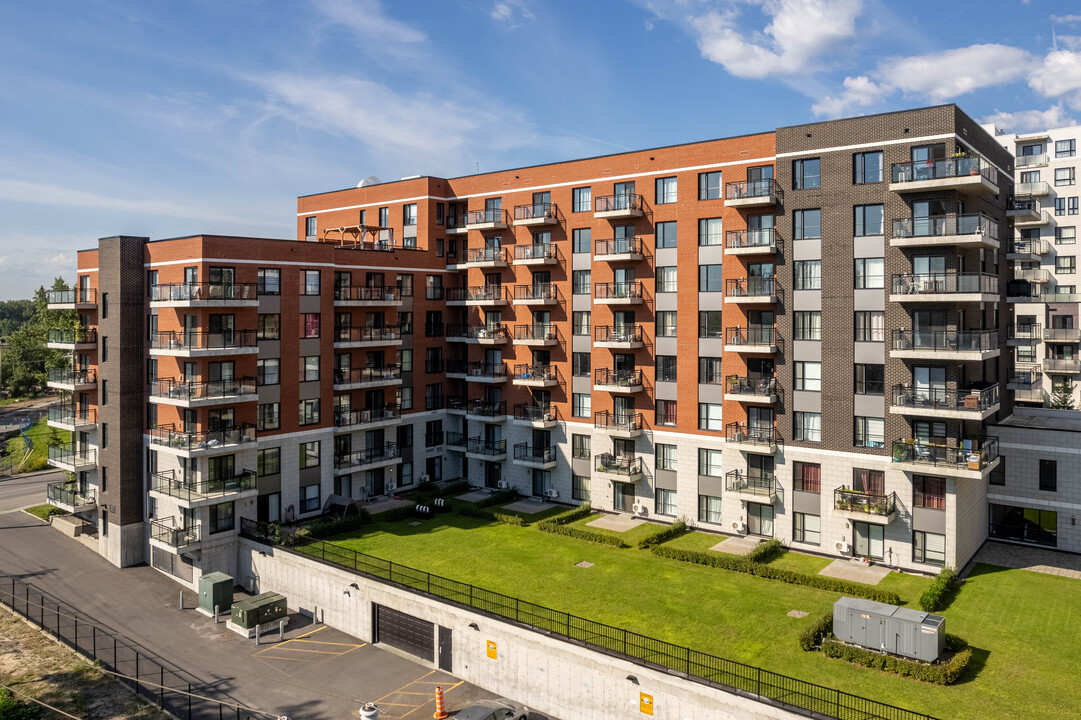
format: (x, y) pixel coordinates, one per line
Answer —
(20, 491)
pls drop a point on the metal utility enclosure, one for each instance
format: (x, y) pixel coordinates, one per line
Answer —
(258, 610)
(888, 628)
(216, 590)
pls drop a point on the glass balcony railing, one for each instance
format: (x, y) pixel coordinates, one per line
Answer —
(626, 465)
(942, 226)
(363, 293)
(752, 434)
(488, 215)
(534, 413)
(535, 453)
(74, 296)
(353, 418)
(176, 389)
(486, 255)
(937, 398)
(198, 340)
(486, 408)
(764, 387)
(940, 169)
(67, 376)
(78, 336)
(480, 446)
(750, 189)
(359, 458)
(202, 292)
(68, 414)
(755, 336)
(168, 483)
(367, 374)
(751, 287)
(68, 494)
(944, 283)
(385, 333)
(761, 485)
(945, 340)
(173, 533)
(169, 436)
(764, 239)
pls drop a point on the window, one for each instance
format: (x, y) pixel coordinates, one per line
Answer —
(666, 279)
(309, 454)
(581, 239)
(104, 348)
(867, 167)
(806, 174)
(580, 405)
(870, 326)
(808, 376)
(808, 426)
(709, 463)
(710, 278)
(1048, 475)
(309, 368)
(666, 368)
(870, 379)
(1060, 206)
(404, 436)
(665, 456)
(222, 516)
(869, 432)
(666, 323)
(269, 461)
(872, 482)
(929, 492)
(405, 398)
(582, 199)
(309, 498)
(807, 477)
(580, 282)
(1066, 264)
(709, 232)
(269, 327)
(268, 416)
(1065, 235)
(665, 413)
(928, 548)
(806, 528)
(709, 509)
(433, 433)
(1064, 176)
(580, 322)
(870, 273)
(309, 412)
(267, 372)
(309, 282)
(580, 488)
(433, 322)
(807, 324)
(104, 435)
(405, 285)
(405, 323)
(405, 360)
(709, 371)
(103, 482)
(709, 417)
(409, 214)
(309, 327)
(1030, 176)
(1065, 148)
(710, 324)
(384, 217)
(807, 275)
(269, 281)
(868, 220)
(1072, 205)
(580, 364)
(104, 392)
(309, 227)
(580, 446)
(104, 305)
(665, 234)
(666, 190)
(808, 224)
(709, 185)
(665, 502)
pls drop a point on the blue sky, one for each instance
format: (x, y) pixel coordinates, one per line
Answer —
(172, 118)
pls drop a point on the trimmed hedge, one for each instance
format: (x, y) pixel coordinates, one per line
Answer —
(813, 635)
(320, 528)
(584, 510)
(664, 535)
(500, 496)
(766, 551)
(936, 596)
(397, 514)
(736, 563)
(583, 534)
(505, 518)
(940, 673)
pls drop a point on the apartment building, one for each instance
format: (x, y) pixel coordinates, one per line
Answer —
(792, 334)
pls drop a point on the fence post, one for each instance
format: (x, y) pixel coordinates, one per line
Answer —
(161, 689)
(76, 639)
(116, 665)
(94, 635)
(136, 671)
(189, 701)
(624, 642)
(58, 637)
(837, 711)
(758, 682)
(517, 610)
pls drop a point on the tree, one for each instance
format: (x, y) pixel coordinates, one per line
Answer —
(1062, 396)
(26, 356)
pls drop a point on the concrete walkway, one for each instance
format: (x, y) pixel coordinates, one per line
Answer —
(616, 523)
(528, 507)
(381, 505)
(737, 545)
(1020, 557)
(473, 496)
(856, 571)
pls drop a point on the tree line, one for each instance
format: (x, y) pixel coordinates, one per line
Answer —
(25, 358)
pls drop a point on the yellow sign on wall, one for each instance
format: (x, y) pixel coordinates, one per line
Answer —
(645, 703)
(491, 649)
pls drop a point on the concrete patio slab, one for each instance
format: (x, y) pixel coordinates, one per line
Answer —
(1034, 559)
(856, 571)
(737, 545)
(616, 523)
(529, 507)
(473, 496)
(383, 505)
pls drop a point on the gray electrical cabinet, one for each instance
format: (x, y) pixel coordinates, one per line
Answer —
(888, 628)
(216, 588)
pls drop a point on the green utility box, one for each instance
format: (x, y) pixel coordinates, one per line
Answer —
(215, 589)
(263, 608)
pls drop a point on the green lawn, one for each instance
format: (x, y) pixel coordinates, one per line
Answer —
(41, 434)
(44, 512)
(1021, 624)
(631, 537)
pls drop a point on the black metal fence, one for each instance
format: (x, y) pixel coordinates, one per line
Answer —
(120, 659)
(728, 675)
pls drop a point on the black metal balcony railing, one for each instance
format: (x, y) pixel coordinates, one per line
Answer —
(536, 291)
(764, 238)
(1066, 335)
(1023, 203)
(366, 417)
(496, 331)
(433, 329)
(946, 340)
(753, 434)
(456, 403)
(971, 454)
(169, 534)
(759, 386)
(536, 331)
(536, 454)
(433, 293)
(74, 296)
(433, 439)
(1027, 246)
(168, 483)
(478, 293)
(1024, 375)
(869, 503)
(455, 439)
(356, 458)
(618, 246)
(751, 189)
(488, 215)
(366, 333)
(615, 203)
(536, 252)
(940, 169)
(750, 287)
(621, 378)
(536, 372)
(761, 484)
(455, 221)
(937, 398)
(617, 333)
(434, 366)
(386, 293)
(618, 290)
(177, 389)
(480, 446)
(486, 254)
(73, 336)
(457, 366)
(367, 374)
(618, 464)
(67, 376)
(202, 292)
(72, 415)
(198, 340)
(607, 420)
(480, 369)
(533, 413)
(940, 226)
(535, 211)
(944, 283)
(169, 436)
(69, 494)
(486, 408)
(434, 402)
(751, 336)
(70, 455)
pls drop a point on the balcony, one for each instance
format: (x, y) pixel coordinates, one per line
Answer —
(167, 391)
(487, 219)
(1065, 366)
(536, 214)
(618, 293)
(203, 344)
(538, 416)
(488, 450)
(536, 375)
(1032, 275)
(455, 225)
(619, 337)
(1024, 377)
(1023, 335)
(752, 438)
(477, 296)
(945, 344)
(73, 459)
(865, 507)
(368, 419)
(483, 372)
(77, 339)
(72, 380)
(367, 377)
(67, 496)
(621, 382)
(617, 468)
(495, 334)
(751, 291)
(972, 459)
(1024, 208)
(368, 459)
(1028, 221)
(618, 250)
(1026, 250)
(759, 488)
(536, 294)
(457, 404)
(196, 493)
(969, 175)
(1031, 161)
(753, 193)
(1039, 189)
(949, 287)
(486, 410)
(546, 254)
(1062, 335)
(366, 336)
(73, 299)
(536, 335)
(192, 444)
(936, 402)
(364, 296)
(752, 340)
(457, 368)
(751, 242)
(976, 231)
(204, 295)
(542, 458)
(174, 535)
(757, 390)
(618, 207)
(72, 418)
(455, 441)
(488, 257)
(619, 425)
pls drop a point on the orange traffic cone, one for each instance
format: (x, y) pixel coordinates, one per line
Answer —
(440, 709)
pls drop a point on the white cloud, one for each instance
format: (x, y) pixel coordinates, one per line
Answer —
(368, 21)
(1059, 74)
(947, 74)
(800, 32)
(1028, 120)
(1066, 18)
(511, 12)
(858, 92)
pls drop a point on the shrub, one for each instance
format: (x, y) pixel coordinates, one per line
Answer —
(397, 514)
(583, 534)
(945, 672)
(12, 708)
(498, 497)
(813, 635)
(736, 563)
(455, 488)
(467, 510)
(764, 552)
(664, 534)
(937, 595)
(564, 518)
(324, 528)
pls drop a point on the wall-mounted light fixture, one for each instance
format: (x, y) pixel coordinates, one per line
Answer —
(473, 626)
(633, 679)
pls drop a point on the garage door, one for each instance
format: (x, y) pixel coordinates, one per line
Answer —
(405, 632)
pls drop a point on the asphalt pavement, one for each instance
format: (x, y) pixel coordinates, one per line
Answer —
(19, 491)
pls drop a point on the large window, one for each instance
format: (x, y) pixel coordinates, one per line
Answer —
(806, 477)
(710, 324)
(807, 275)
(309, 498)
(1065, 235)
(808, 376)
(1065, 264)
(309, 368)
(665, 502)
(666, 190)
(309, 325)
(581, 240)
(928, 548)
(580, 446)
(269, 461)
(709, 417)
(582, 199)
(709, 185)
(1048, 475)
(309, 282)
(869, 431)
(268, 327)
(580, 487)
(580, 405)
(709, 232)
(870, 379)
(808, 224)
(870, 326)
(868, 220)
(665, 456)
(807, 324)
(309, 454)
(807, 528)
(666, 368)
(710, 278)
(309, 412)
(808, 426)
(580, 282)
(580, 364)
(1065, 148)
(929, 492)
(269, 281)
(806, 174)
(580, 322)
(709, 509)
(867, 167)
(666, 323)
(665, 412)
(870, 273)
(665, 234)
(409, 214)
(709, 463)
(267, 371)
(222, 518)
(666, 279)
(268, 416)
(1021, 524)
(709, 371)
(1064, 176)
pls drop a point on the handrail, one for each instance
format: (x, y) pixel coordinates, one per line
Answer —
(940, 169)
(536, 291)
(618, 290)
(70, 414)
(387, 451)
(940, 226)
(858, 501)
(754, 434)
(169, 436)
(543, 251)
(363, 417)
(68, 493)
(751, 336)
(367, 374)
(534, 413)
(751, 189)
(67, 376)
(623, 378)
(480, 446)
(981, 453)
(488, 215)
(618, 464)
(608, 420)
(938, 398)
(72, 296)
(530, 453)
(618, 333)
(497, 331)
(737, 481)
(614, 203)
(536, 211)
(944, 283)
(202, 291)
(199, 340)
(366, 333)
(179, 389)
(762, 237)
(379, 293)
(536, 331)
(946, 340)
(528, 371)
(168, 484)
(618, 246)
(71, 336)
(751, 287)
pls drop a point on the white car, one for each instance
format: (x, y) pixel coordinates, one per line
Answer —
(500, 709)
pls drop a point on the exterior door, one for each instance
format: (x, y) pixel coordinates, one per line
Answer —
(760, 519)
(867, 540)
(623, 496)
(404, 632)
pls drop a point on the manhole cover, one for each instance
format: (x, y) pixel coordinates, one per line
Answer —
(796, 613)
(584, 563)
(415, 523)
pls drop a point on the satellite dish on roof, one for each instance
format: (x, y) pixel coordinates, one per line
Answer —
(369, 181)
